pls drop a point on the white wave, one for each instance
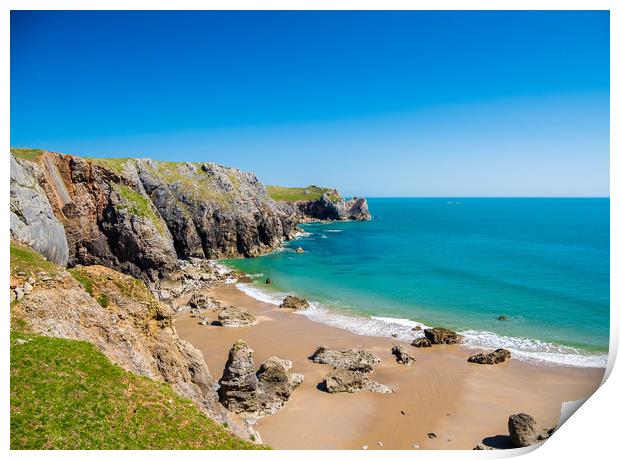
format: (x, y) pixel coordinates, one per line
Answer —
(334, 231)
(262, 295)
(302, 234)
(221, 268)
(521, 348)
(528, 349)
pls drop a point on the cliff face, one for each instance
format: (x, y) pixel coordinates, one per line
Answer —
(327, 207)
(32, 219)
(141, 216)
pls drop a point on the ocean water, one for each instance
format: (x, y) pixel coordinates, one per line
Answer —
(458, 263)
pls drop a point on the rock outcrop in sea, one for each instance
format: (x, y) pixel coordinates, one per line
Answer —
(294, 303)
(440, 335)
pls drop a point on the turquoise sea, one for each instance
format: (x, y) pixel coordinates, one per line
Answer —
(458, 263)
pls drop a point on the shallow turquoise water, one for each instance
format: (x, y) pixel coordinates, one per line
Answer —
(461, 263)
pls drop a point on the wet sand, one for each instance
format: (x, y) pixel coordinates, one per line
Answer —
(441, 393)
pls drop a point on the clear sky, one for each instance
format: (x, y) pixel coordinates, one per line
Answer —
(374, 103)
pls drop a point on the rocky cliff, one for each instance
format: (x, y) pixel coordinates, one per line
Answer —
(141, 216)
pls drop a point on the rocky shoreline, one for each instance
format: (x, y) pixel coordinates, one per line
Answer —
(138, 237)
(366, 370)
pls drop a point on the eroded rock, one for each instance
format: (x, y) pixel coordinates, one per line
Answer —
(523, 430)
(350, 359)
(244, 391)
(294, 303)
(402, 357)
(440, 335)
(421, 342)
(498, 356)
(348, 381)
(233, 316)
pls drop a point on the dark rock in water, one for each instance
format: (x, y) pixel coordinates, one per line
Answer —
(498, 356)
(294, 303)
(235, 317)
(268, 281)
(417, 328)
(440, 335)
(402, 357)
(299, 250)
(351, 359)
(334, 207)
(502, 318)
(261, 393)
(421, 342)
(523, 430)
(348, 381)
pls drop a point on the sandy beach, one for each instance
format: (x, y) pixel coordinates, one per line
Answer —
(441, 393)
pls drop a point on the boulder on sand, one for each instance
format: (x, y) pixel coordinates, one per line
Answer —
(294, 303)
(402, 357)
(348, 381)
(261, 393)
(351, 359)
(524, 430)
(498, 356)
(440, 335)
(201, 300)
(421, 342)
(235, 317)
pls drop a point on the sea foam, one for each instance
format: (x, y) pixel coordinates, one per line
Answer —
(521, 348)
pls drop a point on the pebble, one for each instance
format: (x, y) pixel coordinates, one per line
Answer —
(364, 447)
(380, 443)
(416, 446)
(402, 412)
(432, 435)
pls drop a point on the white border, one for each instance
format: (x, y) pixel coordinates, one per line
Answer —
(589, 434)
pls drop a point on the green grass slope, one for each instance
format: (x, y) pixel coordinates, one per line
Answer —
(310, 193)
(26, 154)
(65, 394)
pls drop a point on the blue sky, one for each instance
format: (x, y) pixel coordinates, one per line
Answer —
(374, 103)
